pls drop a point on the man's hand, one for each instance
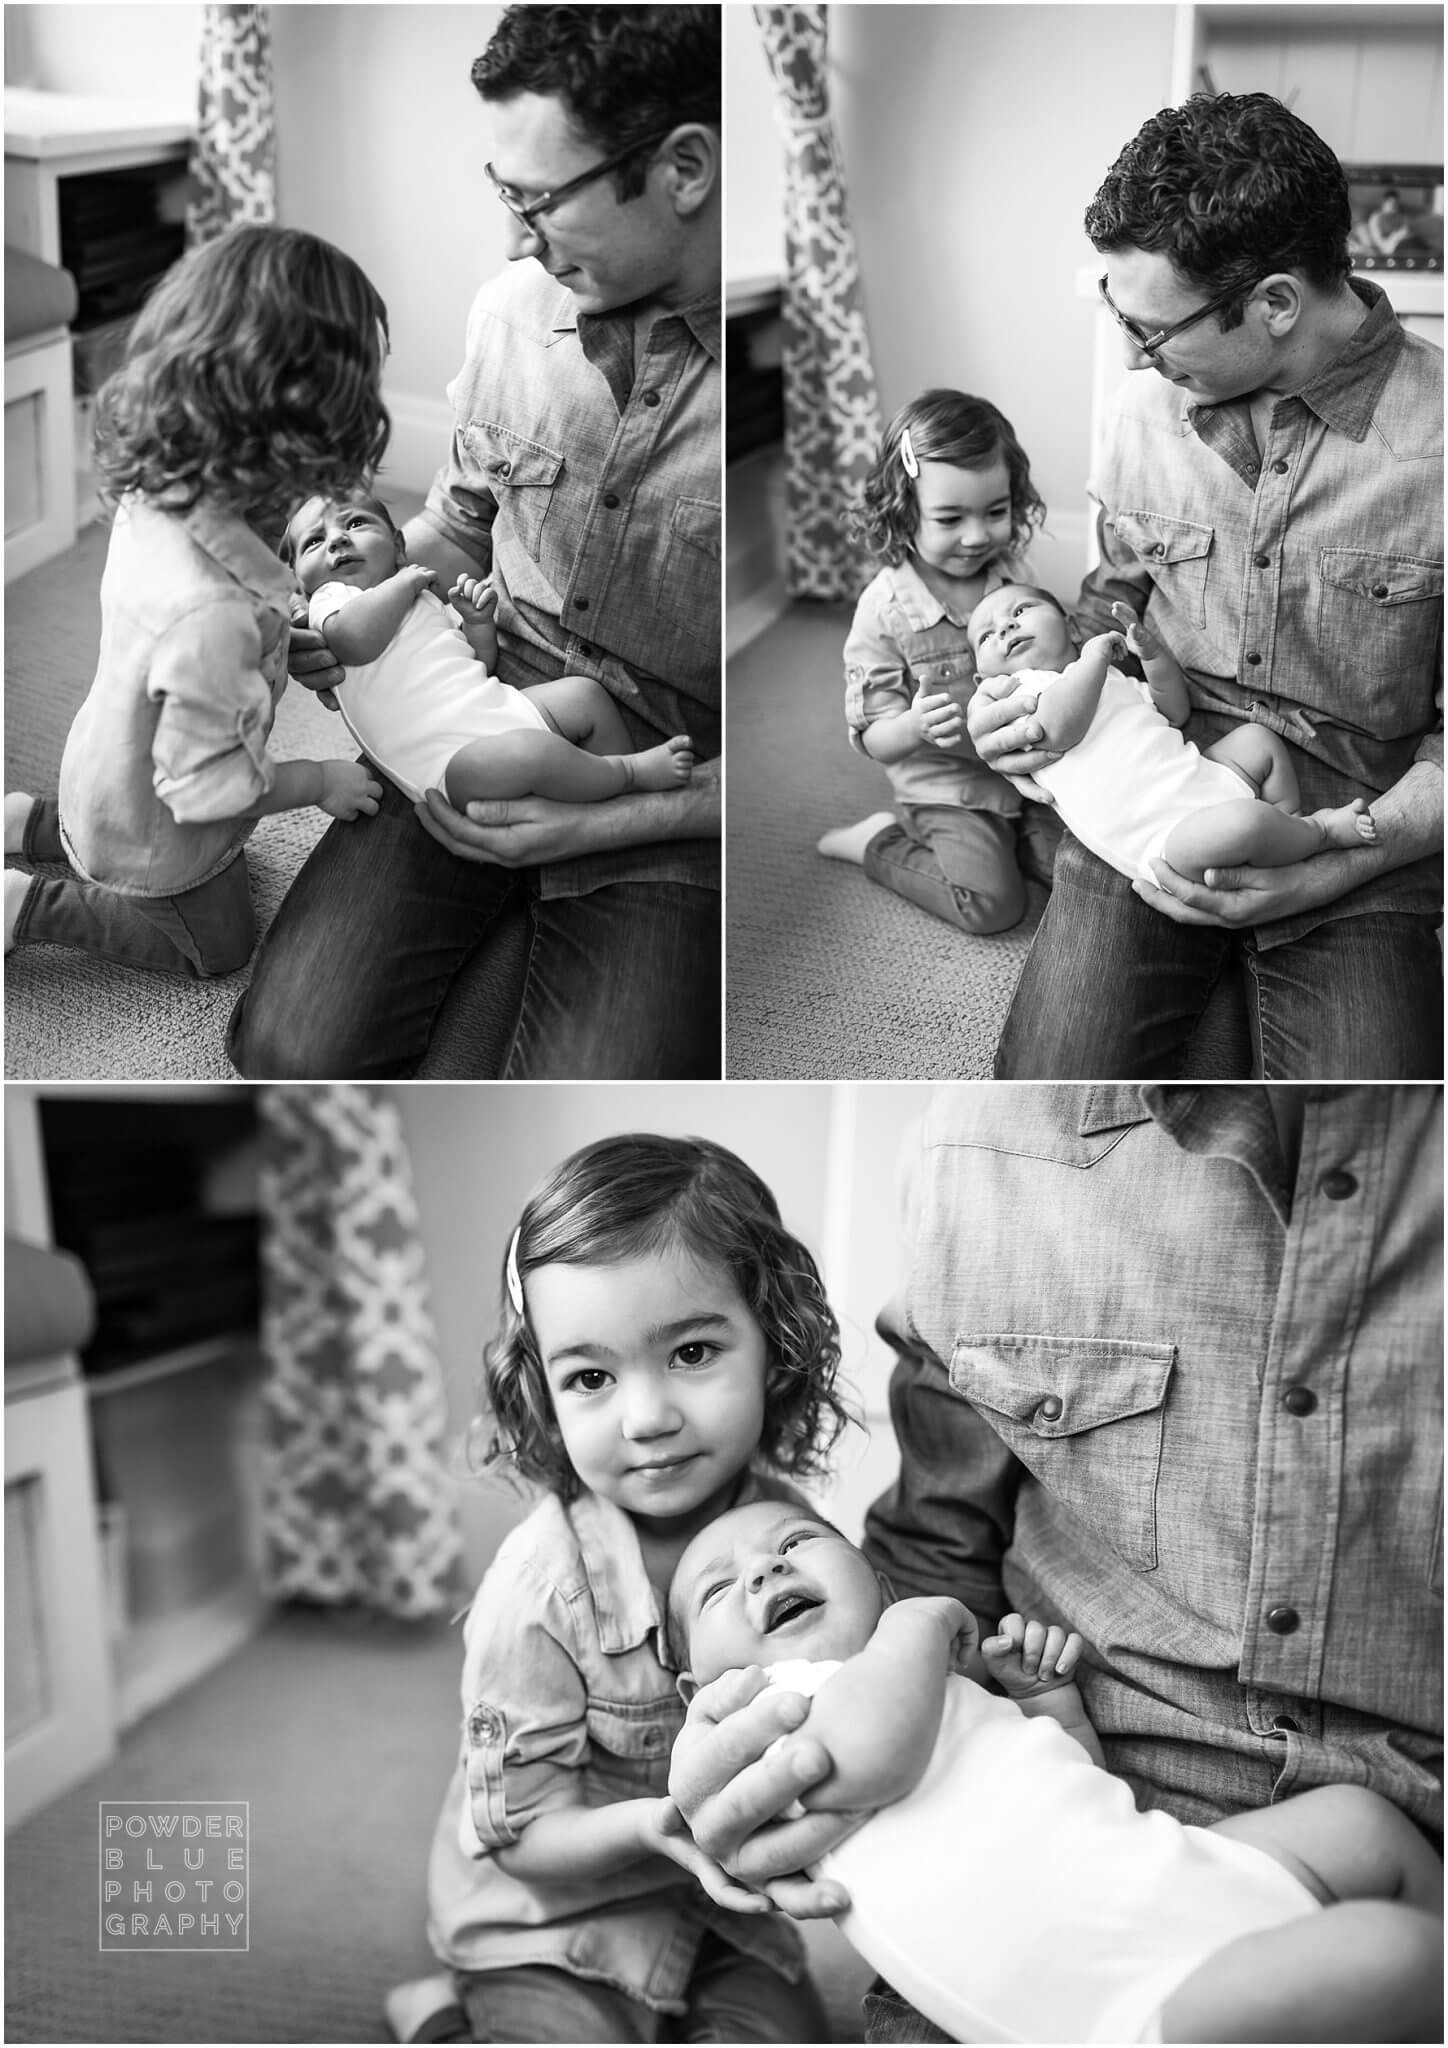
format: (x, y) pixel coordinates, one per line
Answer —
(348, 790)
(1234, 897)
(663, 1831)
(731, 1792)
(1026, 1658)
(517, 832)
(1007, 734)
(475, 601)
(310, 661)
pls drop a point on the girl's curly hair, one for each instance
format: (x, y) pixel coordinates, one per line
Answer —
(252, 376)
(950, 427)
(622, 1198)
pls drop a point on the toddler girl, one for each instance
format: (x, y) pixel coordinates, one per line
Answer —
(254, 370)
(948, 509)
(419, 698)
(666, 1350)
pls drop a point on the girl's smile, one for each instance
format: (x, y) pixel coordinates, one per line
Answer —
(656, 1370)
(965, 517)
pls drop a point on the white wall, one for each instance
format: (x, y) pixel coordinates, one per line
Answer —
(753, 210)
(828, 1152)
(142, 53)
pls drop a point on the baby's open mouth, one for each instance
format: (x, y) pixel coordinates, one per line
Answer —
(787, 1607)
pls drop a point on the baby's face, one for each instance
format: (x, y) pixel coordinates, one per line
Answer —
(343, 540)
(767, 1582)
(1015, 629)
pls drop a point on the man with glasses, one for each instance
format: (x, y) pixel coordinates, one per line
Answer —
(584, 473)
(1271, 500)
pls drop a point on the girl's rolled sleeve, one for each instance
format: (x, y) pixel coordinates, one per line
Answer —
(525, 1707)
(877, 678)
(214, 716)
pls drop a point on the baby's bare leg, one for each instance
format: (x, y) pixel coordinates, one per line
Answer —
(1369, 1967)
(582, 711)
(1263, 761)
(1252, 834)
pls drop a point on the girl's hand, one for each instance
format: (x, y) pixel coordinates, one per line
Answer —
(1027, 1657)
(1140, 639)
(348, 790)
(939, 717)
(663, 1831)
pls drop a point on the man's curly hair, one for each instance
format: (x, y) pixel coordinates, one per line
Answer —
(252, 376)
(1231, 187)
(625, 74)
(621, 1199)
(950, 427)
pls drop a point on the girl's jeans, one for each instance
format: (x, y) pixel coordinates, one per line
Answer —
(202, 932)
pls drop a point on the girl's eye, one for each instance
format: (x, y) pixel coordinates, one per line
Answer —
(589, 1379)
(696, 1352)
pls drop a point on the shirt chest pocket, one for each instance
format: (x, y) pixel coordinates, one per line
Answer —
(1380, 613)
(629, 1744)
(1175, 553)
(520, 476)
(1085, 1416)
(688, 590)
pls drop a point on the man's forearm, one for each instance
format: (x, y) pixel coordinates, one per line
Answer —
(641, 817)
(428, 545)
(1409, 818)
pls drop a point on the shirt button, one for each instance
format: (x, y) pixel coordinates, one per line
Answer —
(1159, 550)
(1280, 467)
(1299, 1400)
(483, 1724)
(654, 1738)
(502, 469)
(1380, 590)
(651, 398)
(580, 604)
(1049, 1409)
(610, 499)
(1261, 561)
(1283, 1620)
(1254, 661)
(1338, 1184)
(1284, 1724)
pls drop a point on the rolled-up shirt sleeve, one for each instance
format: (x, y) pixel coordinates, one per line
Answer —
(525, 1708)
(214, 713)
(877, 680)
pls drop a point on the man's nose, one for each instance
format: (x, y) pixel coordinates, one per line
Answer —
(1136, 358)
(522, 239)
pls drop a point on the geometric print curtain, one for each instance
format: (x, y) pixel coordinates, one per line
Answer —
(832, 410)
(233, 156)
(357, 1505)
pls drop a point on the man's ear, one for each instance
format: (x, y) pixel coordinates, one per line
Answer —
(691, 164)
(1281, 299)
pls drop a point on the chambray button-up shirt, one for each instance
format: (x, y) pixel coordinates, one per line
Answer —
(170, 746)
(903, 639)
(590, 480)
(1300, 586)
(1166, 1386)
(568, 1700)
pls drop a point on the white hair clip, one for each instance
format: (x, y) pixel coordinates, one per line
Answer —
(908, 455)
(515, 1284)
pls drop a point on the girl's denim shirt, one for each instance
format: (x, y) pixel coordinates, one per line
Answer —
(903, 639)
(569, 1700)
(170, 747)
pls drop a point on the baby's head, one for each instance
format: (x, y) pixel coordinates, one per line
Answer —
(342, 540)
(1020, 627)
(766, 1582)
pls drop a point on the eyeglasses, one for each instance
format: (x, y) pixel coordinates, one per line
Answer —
(1150, 343)
(534, 209)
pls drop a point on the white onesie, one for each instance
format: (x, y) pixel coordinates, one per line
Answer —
(426, 694)
(1017, 1894)
(1132, 777)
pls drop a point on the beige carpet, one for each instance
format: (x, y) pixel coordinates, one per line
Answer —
(68, 1016)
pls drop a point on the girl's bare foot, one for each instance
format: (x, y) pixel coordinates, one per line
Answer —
(17, 888)
(663, 767)
(848, 842)
(18, 806)
(1351, 826)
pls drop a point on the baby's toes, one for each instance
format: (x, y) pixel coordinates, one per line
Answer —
(1366, 826)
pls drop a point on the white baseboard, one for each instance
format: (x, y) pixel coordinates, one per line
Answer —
(421, 433)
(746, 618)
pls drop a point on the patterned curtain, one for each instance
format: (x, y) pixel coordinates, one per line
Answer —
(233, 159)
(357, 1506)
(831, 410)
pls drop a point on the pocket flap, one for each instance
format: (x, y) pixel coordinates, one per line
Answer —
(1381, 579)
(1153, 537)
(507, 458)
(1060, 1386)
(696, 520)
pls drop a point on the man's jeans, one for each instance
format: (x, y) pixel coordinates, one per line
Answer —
(201, 932)
(1112, 990)
(621, 984)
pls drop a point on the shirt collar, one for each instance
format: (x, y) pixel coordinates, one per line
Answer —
(1234, 1122)
(704, 319)
(1345, 392)
(243, 554)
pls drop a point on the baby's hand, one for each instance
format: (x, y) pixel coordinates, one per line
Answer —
(348, 789)
(1107, 646)
(475, 601)
(412, 576)
(1142, 642)
(940, 718)
(1027, 1657)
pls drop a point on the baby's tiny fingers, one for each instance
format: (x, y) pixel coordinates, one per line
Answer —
(1031, 1648)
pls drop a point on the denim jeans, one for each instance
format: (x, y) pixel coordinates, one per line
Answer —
(967, 867)
(203, 931)
(889, 2017)
(1112, 990)
(731, 1997)
(621, 984)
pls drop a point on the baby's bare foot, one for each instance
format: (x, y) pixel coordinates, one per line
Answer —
(1351, 826)
(664, 767)
(18, 806)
